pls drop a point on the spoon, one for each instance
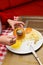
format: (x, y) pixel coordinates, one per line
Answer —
(34, 53)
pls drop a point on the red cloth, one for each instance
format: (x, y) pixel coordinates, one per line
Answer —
(4, 4)
(30, 9)
(5, 16)
(18, 2)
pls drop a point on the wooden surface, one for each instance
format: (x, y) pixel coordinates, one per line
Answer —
(13, 59)
(29, 59)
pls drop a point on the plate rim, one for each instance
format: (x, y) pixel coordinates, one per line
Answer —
(11, 49)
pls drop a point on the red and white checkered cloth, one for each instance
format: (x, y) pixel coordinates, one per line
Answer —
(3, 49)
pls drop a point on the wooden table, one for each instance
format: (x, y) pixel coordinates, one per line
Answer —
(29, 59)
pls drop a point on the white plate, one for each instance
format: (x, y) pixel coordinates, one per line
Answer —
(25, 47)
